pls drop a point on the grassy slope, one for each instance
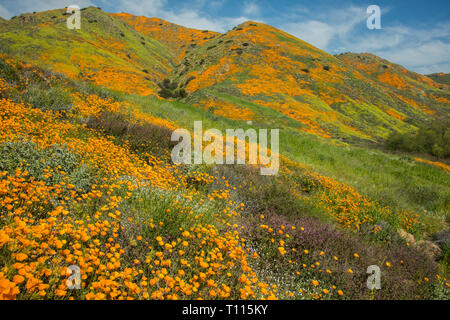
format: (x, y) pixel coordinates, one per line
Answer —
(394, 180)
(105, 50)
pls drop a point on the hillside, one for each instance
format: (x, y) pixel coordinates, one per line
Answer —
(260, 74)
(178, 38)
(443, 78)
(105, 51)
(86, 176)
(241, 74)
(91, 186)
(324, 95)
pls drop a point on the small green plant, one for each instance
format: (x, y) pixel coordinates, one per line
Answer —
(170, 89)
(50, 165)
(54, 98)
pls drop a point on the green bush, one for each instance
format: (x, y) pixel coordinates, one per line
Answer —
(169, 89)
(142, 138)
(27, 156)
(53, 98)
(432, 138)
(269, 194)
(7, 72)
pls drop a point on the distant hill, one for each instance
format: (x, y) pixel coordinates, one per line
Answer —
(440, 77)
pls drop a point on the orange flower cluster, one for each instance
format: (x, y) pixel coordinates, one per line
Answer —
(352, 210)
(213, 75)
(438, 164)
(3, 86)
(92, 105)
(395, 114)
(227, 109)
(301, 112)
(393, 80)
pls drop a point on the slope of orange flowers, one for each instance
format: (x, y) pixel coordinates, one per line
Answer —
(177, 38)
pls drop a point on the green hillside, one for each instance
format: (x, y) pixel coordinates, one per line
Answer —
(105, 50)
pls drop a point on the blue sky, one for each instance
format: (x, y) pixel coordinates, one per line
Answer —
(415, 33)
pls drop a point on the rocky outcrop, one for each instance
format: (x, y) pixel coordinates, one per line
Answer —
(430, 248)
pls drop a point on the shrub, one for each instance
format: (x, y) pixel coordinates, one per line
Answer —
(267, 194)
(169, 89)
(54, 98)
(27, 156)
(142, 138)
(8, 72)
(432, 138)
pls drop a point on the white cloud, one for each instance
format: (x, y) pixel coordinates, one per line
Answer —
(422, 50)
(193, 19)
(4, 13)
(251, 8)
(314, 32)
(328, 26)
(434, 68)
(216, 4)
(142, 8)
(425, 58)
